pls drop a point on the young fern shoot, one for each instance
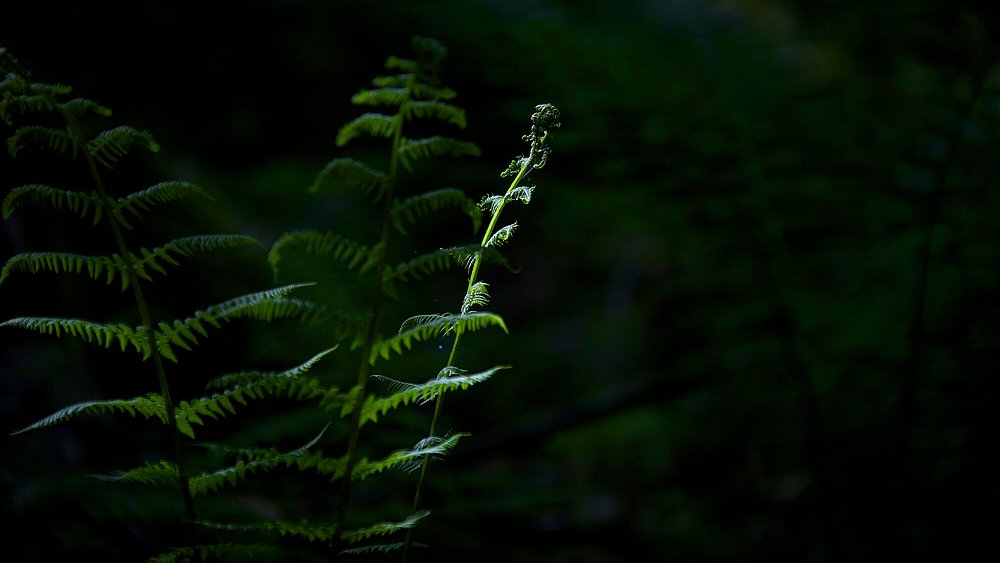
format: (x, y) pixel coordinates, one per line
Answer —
(413, 93)
(544, 121)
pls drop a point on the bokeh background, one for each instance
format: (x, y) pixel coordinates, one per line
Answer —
(758, 307)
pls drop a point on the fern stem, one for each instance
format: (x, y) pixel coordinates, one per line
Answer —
(144, 315)
(439, 402)
(364, 371)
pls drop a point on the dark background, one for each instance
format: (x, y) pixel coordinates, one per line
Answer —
(758, 305)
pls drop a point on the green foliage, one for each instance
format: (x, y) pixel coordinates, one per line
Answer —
(413, 93)
(154, 340)
(402, 98)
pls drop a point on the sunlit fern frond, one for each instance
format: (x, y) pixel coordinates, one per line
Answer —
(418, 149)
(102, 334)
(108, 146)
(371, 124)
(501, 236)
(148, 406)
(406, 460)
(449, 379)
(416, 207)
(353, 174)
(114, 266)
(478, 295)
(521, 193)
(432, 109)
(317, 243)
(377, 548)
(56, 140)
(426, 327)
(383, 528)
(443, 259)
(80, 203)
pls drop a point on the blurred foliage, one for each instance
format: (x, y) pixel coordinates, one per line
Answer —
(758, 307)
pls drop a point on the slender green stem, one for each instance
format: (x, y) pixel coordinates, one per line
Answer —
(439, 402)
(364, 371)
(144, 316)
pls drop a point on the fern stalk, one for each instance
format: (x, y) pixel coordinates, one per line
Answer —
(146, 319)
(364, 371)
(545, 118)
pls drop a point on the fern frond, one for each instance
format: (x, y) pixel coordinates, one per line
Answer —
(449, 379)
(164, 192)
(103, 334)
(352, 173)
(426, 327)
(58, 262)
(149, 406)
(242, 552)
(265, 305)
(437, 145)
(520, 193)
(377, 548)
(25, 104)
(252, 385)
(417, 89)
(108, 146)
(400, 63)
(416, 207)
(251, 377)
(500, 237)
(477, 296)
(443, 259)
(383, 528)
(372, 124)
(431, 109)
(312, 532)
(380, 97)
(212, 482)
(79, 107)
(318, 243)
(80, 203)
(150, 473)
(113, 266)
(57, 140)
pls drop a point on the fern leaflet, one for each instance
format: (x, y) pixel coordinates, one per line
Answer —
(149, 406)
(416, 207)
(426, 327)
(372, 124)
(115, 143)
(353, 174)
(434, 146)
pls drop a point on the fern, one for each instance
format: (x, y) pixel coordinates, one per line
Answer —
(443, 259)
(115, 266)
(434, 146)
(545, 120)
(413, 94)
(414, 208)
(154, 340)
(426, 327)
(353, 174)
